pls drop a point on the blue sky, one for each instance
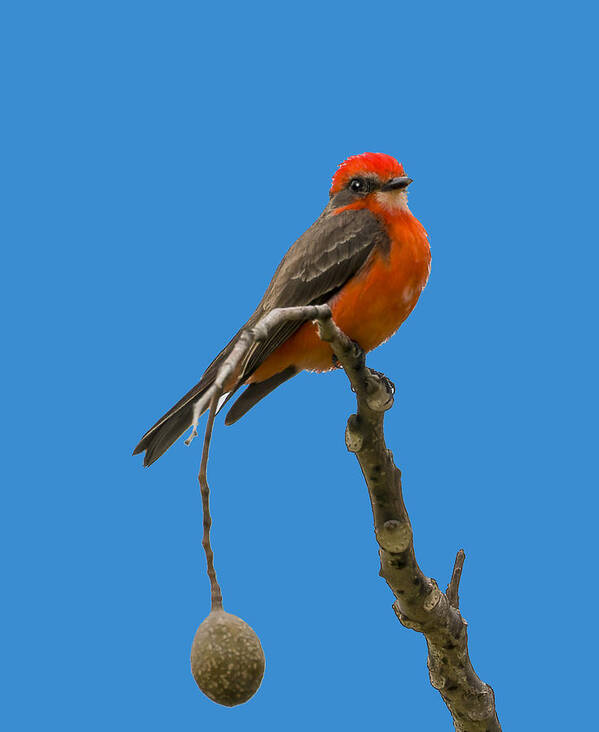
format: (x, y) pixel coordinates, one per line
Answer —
(158, 160)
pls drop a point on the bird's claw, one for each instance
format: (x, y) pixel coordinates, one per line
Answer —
(380, 390)
(385, 380)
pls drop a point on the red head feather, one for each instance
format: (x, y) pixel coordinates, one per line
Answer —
(384, 166)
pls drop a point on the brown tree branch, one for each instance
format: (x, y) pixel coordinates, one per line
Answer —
(419, 603)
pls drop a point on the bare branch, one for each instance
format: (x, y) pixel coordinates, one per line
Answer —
(419, 603)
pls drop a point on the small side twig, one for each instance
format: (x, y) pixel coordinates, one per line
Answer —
(215, 591)
(454, 582)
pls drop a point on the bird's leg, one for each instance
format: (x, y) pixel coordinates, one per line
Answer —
(357, 352)
(379, 389)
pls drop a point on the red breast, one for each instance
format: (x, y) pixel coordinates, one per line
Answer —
(371, 305)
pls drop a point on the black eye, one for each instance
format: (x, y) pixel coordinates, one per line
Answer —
(357, 185)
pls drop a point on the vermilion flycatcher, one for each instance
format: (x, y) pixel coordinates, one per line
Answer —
(366, 256)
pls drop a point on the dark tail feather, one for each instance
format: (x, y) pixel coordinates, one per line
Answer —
(255, 392)
(173, 423)
(158, 440)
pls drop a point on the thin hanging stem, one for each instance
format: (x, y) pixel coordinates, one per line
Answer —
(215, 591)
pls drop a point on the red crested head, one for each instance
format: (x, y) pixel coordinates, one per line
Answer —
(380, 165)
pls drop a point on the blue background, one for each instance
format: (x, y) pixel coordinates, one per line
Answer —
(158, 160)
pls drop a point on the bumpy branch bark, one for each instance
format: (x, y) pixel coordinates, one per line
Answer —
(419, 603)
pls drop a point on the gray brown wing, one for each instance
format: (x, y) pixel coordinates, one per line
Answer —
(315, 268)
(320, 262)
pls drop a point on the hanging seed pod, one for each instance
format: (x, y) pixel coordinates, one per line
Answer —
(227, 660)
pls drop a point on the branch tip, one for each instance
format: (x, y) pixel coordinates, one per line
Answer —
(454, 584)
(192, 434)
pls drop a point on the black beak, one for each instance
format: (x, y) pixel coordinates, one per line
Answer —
(396, 184)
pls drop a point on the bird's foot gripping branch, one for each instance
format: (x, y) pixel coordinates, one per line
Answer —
(419, 604)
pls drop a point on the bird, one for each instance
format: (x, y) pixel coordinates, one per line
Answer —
(366, 256)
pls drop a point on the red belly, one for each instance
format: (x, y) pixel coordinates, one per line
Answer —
(369, 308)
